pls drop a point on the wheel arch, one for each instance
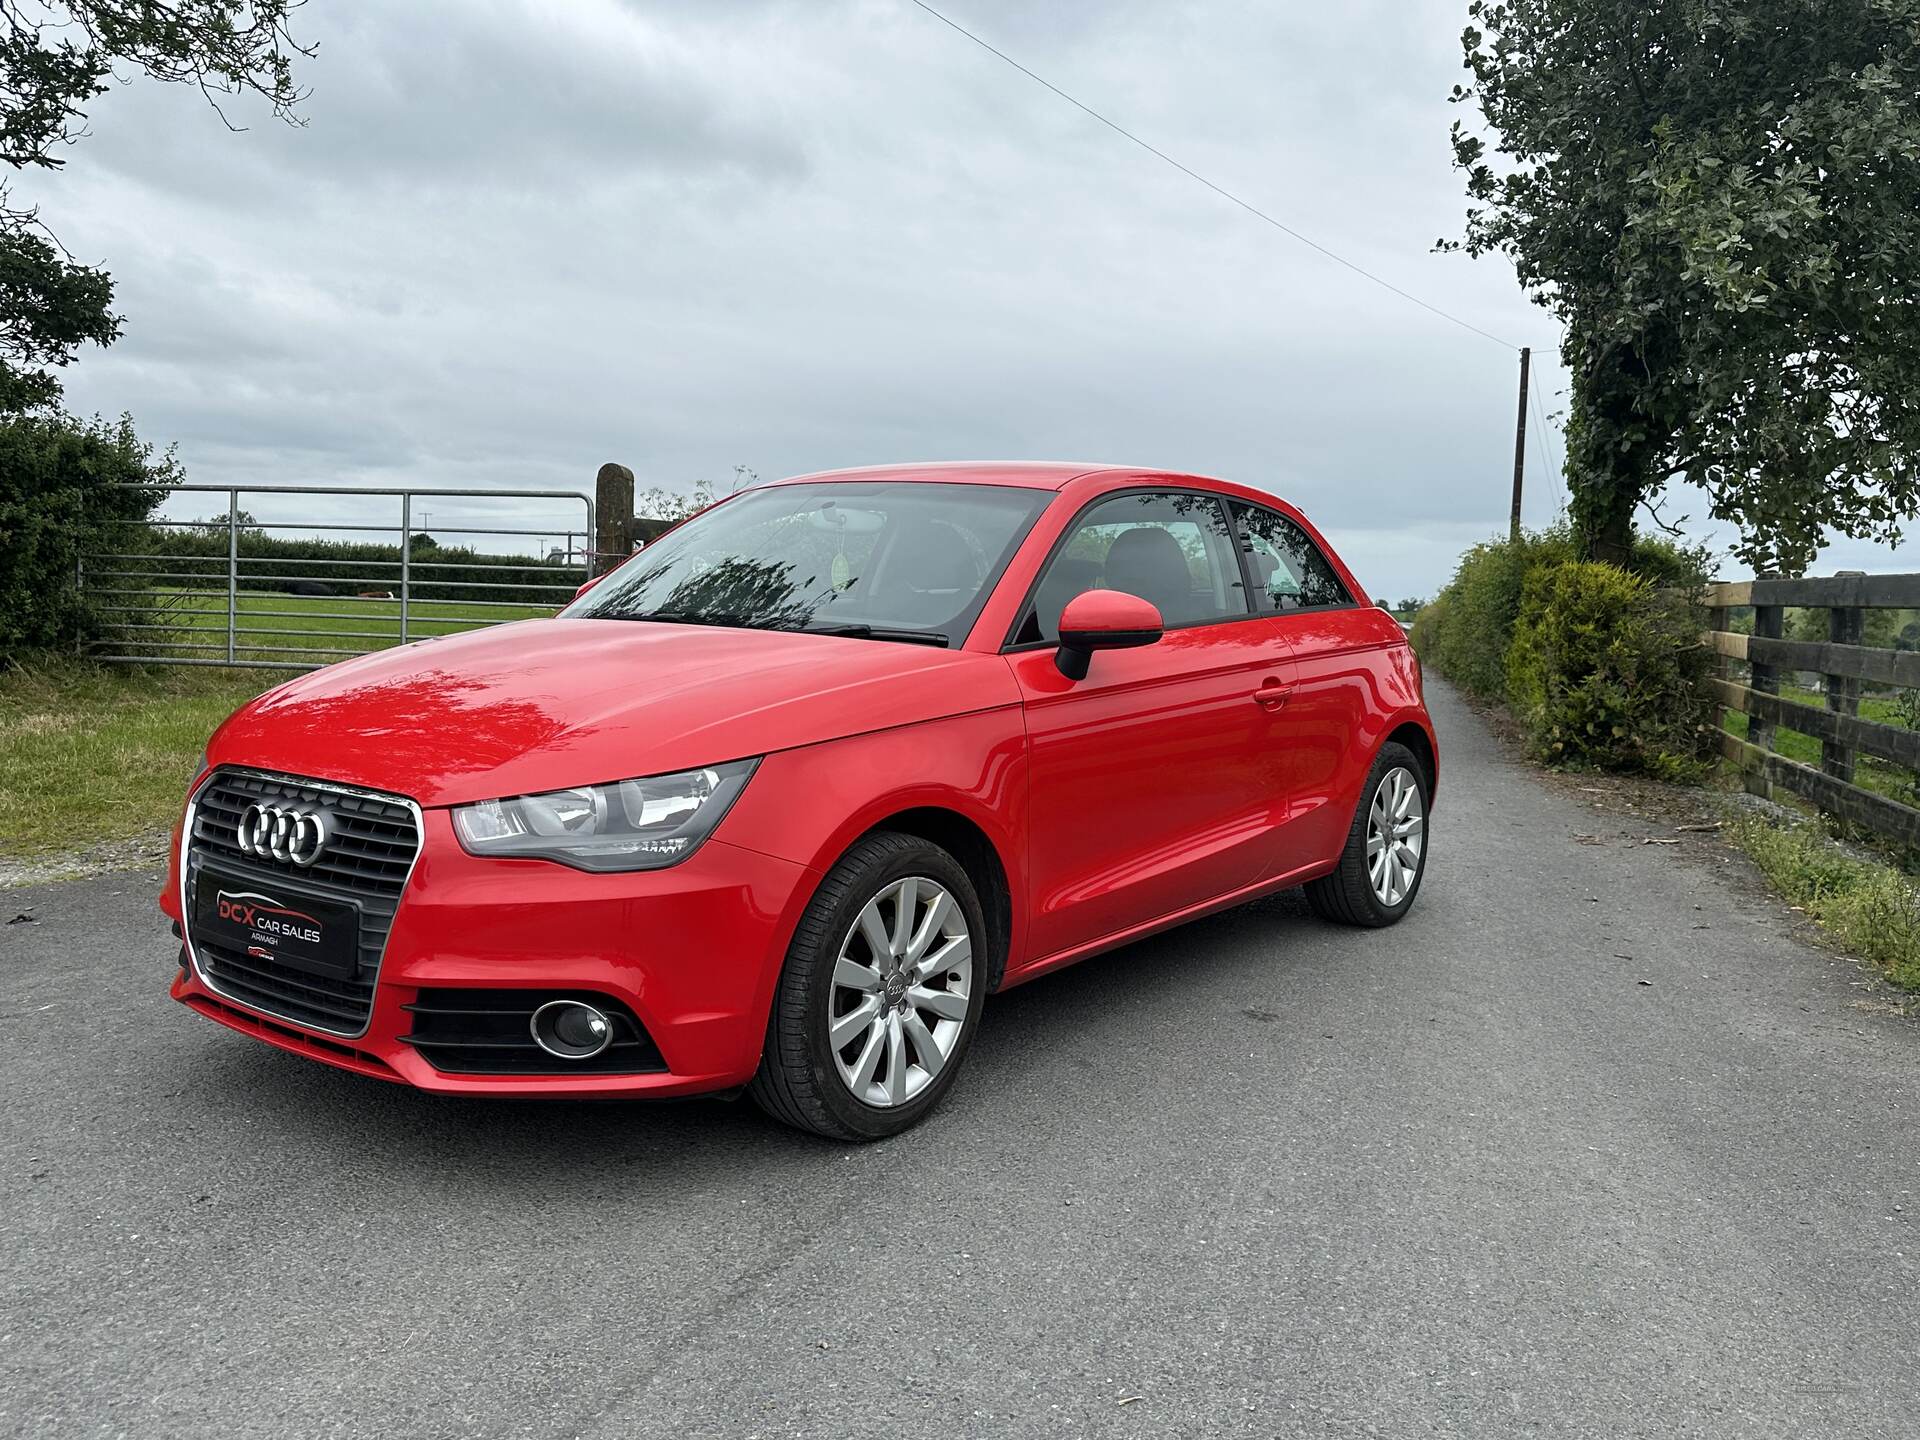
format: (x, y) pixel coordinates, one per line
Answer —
(963, 839)
(1417, 738)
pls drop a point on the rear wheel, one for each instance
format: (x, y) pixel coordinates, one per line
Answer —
(1386, 850)
(880, 995)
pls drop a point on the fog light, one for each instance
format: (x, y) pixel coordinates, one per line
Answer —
(571, 1029)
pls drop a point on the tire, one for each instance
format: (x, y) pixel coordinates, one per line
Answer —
(804, 1080)
(1351, 894)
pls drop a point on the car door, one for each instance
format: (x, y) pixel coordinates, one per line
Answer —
(1150, 784)
(1331, 638)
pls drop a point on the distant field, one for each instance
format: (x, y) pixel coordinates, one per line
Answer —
(1870, 772)
(311, 630)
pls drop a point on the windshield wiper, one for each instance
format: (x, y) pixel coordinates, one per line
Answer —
(683, 617)
(741, 622)
(881, 632)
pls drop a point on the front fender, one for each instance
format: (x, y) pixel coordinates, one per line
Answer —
(811, 804)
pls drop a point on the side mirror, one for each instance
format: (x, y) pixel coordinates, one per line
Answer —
(593, 581)
(1103, 620)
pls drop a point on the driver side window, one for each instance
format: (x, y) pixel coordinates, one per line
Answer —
(1170, 548)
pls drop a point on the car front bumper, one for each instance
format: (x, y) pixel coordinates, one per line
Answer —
(693, 951)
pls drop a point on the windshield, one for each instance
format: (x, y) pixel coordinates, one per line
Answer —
(889, 560)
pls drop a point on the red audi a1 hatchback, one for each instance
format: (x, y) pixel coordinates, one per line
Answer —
(781, 800)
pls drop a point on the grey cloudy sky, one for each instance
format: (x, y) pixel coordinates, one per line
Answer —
(517, 239)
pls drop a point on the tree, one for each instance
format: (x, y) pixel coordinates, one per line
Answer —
(1718, 200)
(1879, 628)
(241, 520)
(56, 58)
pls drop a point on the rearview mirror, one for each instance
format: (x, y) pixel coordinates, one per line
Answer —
(1103, 620)
(593, 581)
(845, 521)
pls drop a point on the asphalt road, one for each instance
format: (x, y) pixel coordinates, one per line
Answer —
(1261, 1176)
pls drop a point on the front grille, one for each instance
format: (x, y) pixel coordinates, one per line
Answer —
(370, 845)
(371, 842)
(486, 1032)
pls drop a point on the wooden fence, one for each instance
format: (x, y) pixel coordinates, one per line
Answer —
(1844, 664)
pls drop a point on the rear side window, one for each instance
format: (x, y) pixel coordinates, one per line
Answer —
(1288, 571)
(1170, 548)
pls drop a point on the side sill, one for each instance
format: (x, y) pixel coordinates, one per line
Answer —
(1061, 959)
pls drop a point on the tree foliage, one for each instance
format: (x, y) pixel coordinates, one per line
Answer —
(1720, 200)
(56, 58)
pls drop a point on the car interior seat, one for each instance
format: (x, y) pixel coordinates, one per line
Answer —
(930, 574)
(1147, 561)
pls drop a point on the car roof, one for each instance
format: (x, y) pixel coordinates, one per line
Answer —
(1030, 474)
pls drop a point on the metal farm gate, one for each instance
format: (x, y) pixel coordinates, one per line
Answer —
(298, 588)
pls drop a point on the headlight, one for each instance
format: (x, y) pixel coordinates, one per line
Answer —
(629, 825)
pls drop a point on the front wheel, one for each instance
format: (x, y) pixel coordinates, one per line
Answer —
(880, 995)
(1386, 850)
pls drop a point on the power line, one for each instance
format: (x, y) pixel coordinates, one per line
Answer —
(1219, 190)
(1546, 440)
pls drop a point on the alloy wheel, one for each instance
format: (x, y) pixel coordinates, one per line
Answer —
(1396, 836)
(901, 983)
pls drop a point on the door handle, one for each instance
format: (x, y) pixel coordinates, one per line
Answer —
(1272, 694)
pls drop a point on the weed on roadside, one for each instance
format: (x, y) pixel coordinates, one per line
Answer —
(1871, 910)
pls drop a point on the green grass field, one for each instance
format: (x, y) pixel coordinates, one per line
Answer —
(94, 753)
(1896, 782)
(300, 630)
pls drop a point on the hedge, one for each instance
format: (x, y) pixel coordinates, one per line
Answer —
(1607, 668)
(1467, 639)
(348, 567)
(68, 488)
(1600, 665)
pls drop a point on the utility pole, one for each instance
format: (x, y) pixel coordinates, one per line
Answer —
(1520, 439)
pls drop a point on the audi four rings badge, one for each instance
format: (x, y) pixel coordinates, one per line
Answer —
(281, 833)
